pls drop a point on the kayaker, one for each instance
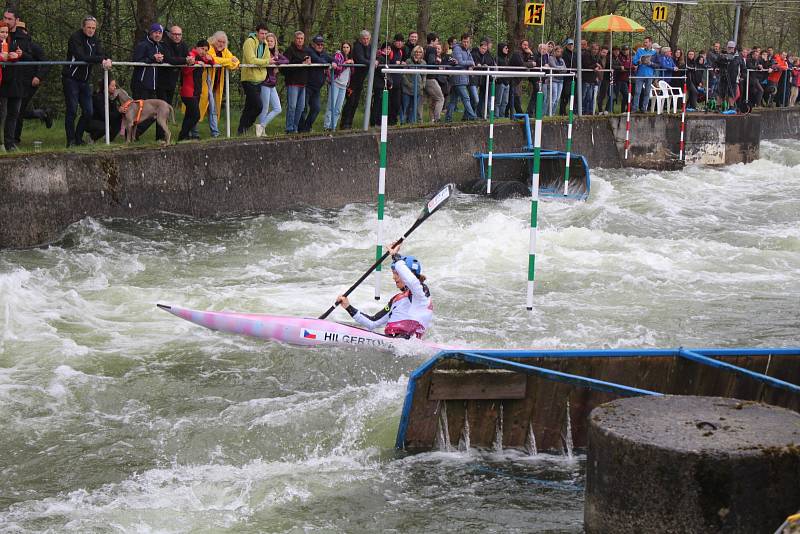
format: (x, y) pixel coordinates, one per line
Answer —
(408, 313)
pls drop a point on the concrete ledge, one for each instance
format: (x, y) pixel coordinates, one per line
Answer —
(40, 195)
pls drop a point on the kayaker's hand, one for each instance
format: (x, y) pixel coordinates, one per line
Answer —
(394, 248)
(342, 301)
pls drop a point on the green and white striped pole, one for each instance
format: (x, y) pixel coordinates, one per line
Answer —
(491, 141)
(381, 190)
(537, 160)
(569, 135)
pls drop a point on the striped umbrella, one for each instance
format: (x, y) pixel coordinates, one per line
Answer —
(611, 23)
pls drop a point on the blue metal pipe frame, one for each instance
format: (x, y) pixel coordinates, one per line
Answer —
(501, 359)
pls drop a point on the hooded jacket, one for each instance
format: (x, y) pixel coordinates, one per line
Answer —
(272, 73)
(146, 77)
(255, 53)
(216, 76)
(502, 61)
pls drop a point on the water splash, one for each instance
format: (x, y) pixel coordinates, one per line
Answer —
(566, 437)
(464, 441)
(443, 434)
(498, 431)
(530, 441)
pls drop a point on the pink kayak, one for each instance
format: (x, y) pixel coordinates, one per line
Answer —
(293, 330)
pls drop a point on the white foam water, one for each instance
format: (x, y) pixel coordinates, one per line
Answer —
(115, 415)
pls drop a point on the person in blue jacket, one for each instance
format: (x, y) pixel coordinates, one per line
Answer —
(644, 75)
(409, 313)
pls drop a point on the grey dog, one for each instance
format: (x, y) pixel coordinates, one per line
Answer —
(152, 108)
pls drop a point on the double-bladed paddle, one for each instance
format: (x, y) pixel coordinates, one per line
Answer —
(433, 204)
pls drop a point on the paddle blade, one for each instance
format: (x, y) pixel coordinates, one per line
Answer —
(438, 199)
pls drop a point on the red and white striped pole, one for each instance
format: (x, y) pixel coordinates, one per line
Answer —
(628, 121)
(683, 120)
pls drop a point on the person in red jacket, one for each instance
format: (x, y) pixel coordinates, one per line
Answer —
(192, 87)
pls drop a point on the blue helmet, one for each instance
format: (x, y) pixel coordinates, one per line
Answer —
(413, 264)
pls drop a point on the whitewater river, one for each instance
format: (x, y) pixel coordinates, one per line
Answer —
(115, 416)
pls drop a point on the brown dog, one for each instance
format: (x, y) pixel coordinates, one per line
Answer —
(137, 111)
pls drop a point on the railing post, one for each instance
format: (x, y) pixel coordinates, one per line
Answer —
(414, 104)
(537, 158)
(106, 110)
(330, 97)
(227, 102)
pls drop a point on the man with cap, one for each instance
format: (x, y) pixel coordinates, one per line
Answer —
(570, 61)
(316, 79)
(397, 56)
(728, 65)
(33, 75)
(144, 82)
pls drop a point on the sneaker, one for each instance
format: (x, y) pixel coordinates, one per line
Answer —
(259, 130)
(729, 112)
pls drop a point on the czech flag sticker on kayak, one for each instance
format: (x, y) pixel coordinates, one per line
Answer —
(309, 334)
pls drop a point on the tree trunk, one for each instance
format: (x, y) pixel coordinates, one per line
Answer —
(513, 13)
(744, 19)
(676, 26)
(146, 12)
(423, 19)
(308, 13)
(327, 20)
(258, 12)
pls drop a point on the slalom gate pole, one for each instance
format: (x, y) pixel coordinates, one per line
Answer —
(628, 120)
(569, 135)
(491, 139)
(537, 160)
(683, 122)
(381, 190)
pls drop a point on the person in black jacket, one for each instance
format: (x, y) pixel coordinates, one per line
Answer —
(482, 56)
(570, 61)
(33, 75)
(13, 87)
(175, 53)
(97, 125)
(84, 47)
(144, 82)
(316, 79)
(361, 56)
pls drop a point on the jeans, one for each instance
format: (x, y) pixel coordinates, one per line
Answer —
(270, 105)
(252, 106)
(501, 99)
(641, 92)
(334, 112)
(311, 110)
(213, 118)
(459, 92)
(295, 104)
(407, 114)
(76, 93)
(551, 103)
(588, 97)
(475, 100)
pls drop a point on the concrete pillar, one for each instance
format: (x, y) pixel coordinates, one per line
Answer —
(691, 464)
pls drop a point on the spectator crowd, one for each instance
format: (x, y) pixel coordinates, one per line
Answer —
(314, 75)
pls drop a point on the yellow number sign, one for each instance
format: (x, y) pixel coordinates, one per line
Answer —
(659, 13)
(534, 14)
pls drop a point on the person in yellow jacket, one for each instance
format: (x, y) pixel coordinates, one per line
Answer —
(215, 79)
(254, 52)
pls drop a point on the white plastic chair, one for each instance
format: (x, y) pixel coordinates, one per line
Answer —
(657, 99)
(675, 93)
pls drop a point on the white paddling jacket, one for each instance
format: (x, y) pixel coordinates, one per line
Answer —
(408, 313)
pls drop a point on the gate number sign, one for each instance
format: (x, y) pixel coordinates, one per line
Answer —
(659, 13)
(534, 14)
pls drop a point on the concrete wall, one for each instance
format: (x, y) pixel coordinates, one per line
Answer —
(40, 195)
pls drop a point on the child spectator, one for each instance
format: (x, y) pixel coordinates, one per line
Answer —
(192, 88)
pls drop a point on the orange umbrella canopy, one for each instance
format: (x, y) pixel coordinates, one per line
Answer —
(611, 23)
